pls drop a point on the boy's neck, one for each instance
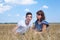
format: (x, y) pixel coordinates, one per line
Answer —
(26, 22)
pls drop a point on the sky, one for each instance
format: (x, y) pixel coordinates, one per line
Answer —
(15, 10)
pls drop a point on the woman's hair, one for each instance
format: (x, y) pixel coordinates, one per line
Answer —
(40, 12)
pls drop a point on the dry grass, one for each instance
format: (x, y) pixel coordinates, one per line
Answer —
(53, 33)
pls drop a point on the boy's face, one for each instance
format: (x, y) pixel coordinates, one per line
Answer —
(29, 18)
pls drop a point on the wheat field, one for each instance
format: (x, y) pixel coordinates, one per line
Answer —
(6, 33)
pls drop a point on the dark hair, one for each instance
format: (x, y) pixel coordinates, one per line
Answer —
(42, 14)
(28, 13)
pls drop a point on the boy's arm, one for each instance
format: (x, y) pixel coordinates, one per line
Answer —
(33, 27)
(14, 29)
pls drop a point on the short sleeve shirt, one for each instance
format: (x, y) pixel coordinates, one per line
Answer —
(22, 27)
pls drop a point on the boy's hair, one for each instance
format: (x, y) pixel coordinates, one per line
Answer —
(42, 14)
(28, 13)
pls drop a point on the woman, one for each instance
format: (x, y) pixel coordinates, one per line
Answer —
(40, 25)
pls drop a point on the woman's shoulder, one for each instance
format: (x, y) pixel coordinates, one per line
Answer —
(45, 22)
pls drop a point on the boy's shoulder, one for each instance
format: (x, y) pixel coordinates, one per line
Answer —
(21, 23)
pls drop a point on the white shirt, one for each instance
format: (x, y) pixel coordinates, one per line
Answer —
(22, 27)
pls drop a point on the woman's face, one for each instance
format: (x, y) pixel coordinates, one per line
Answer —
(39, 16)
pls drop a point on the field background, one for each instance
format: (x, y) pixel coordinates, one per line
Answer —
(53, 33)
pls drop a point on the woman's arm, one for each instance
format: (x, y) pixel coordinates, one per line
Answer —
(44, 28)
